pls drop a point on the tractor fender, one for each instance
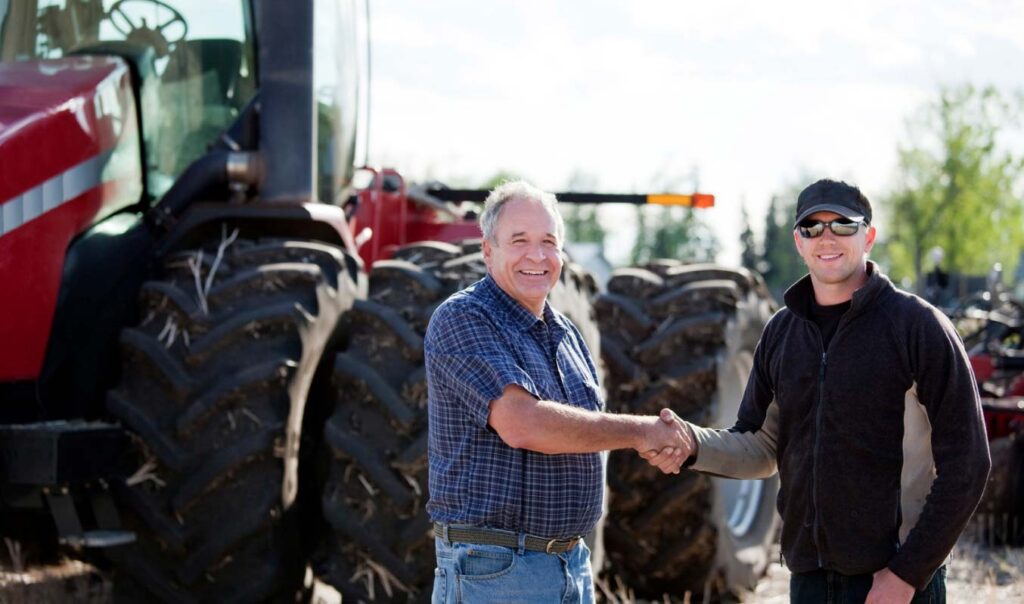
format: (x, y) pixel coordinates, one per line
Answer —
(103, 270)
(203, 221)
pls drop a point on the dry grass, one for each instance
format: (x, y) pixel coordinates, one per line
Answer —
(68, 581)
(985, 574)
(976, 573)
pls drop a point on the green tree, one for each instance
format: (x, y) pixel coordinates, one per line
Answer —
(958, 187)
(750, 257)
(582, 222)
(672, 232)
(780, 263)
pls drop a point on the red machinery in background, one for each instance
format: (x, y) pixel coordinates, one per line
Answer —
(992, 325)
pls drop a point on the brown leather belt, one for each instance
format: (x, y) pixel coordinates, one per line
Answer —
(485, 536)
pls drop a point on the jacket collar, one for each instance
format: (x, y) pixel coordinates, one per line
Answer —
(798, 296)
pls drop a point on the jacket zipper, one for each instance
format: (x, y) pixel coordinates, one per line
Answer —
(817, 427)
(817, 441)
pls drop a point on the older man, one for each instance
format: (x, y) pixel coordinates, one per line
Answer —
(516, 426)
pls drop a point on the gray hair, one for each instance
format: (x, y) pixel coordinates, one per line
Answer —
(518, 189)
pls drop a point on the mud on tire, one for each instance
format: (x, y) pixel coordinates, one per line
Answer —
(681, 336)
(215, 378)
(381, 547)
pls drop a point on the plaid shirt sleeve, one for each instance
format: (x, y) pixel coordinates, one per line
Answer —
(470, 358)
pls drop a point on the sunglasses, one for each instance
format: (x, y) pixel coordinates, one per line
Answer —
(809, 229)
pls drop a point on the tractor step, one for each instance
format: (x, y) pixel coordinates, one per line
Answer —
(61, 467)
(59, 453)
(99, 539)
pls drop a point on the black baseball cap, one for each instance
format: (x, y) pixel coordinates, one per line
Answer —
(833, 196)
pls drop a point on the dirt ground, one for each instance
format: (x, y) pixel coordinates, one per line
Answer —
(977, 574)
(70, 581)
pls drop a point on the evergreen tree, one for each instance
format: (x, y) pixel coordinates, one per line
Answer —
(781, 264)
(751, 256)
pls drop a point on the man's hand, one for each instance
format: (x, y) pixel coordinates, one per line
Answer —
(671, 455)
(888, 588)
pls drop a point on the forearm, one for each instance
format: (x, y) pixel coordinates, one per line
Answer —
(746, 455)
(960, 479)
(550, 427)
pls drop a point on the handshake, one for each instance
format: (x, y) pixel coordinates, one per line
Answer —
(668, 442)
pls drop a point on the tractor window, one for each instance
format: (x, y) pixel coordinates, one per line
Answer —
(339, 39)
(196, 58)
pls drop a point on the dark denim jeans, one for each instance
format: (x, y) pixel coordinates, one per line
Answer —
(829, 587)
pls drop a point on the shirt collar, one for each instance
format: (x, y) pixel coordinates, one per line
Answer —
(515, 313)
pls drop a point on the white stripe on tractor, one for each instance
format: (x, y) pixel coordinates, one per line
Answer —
(53, 193)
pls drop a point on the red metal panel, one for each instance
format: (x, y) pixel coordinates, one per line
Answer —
(56, 114)
(982, 366)
(384, 213)
(69, 156)
(395, 221)
(31, 264)
(1016, 387)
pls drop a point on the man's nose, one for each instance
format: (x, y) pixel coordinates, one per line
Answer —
(828, 234)
(537, 252)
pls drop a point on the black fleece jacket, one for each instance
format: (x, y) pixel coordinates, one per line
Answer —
(878, 439)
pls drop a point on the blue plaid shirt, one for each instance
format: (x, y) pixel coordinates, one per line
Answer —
(479, 341)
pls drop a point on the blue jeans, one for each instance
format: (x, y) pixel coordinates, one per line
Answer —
(490, 573)
(830, 587)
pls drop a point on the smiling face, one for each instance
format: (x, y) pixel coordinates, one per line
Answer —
(525, 258)
(838, 265)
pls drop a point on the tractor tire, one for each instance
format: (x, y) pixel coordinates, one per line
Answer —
(381, 546)
(213, 390)
(1000, 515)
(682, 336)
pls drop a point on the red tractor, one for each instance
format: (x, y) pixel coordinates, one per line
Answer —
(992, 324)
(204, 390)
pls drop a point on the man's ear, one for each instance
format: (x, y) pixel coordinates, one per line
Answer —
(871, 239)
(486, 249)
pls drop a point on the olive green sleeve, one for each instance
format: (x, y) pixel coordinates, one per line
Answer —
(736, 454)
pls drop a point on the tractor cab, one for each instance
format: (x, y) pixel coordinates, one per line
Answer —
(192, 64)
(194, 68)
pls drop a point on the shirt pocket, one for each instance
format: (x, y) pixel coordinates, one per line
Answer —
(591, 394)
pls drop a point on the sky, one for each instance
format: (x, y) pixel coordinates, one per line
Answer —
(741, 99)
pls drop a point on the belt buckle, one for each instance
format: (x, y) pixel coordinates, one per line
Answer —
(569, 544)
